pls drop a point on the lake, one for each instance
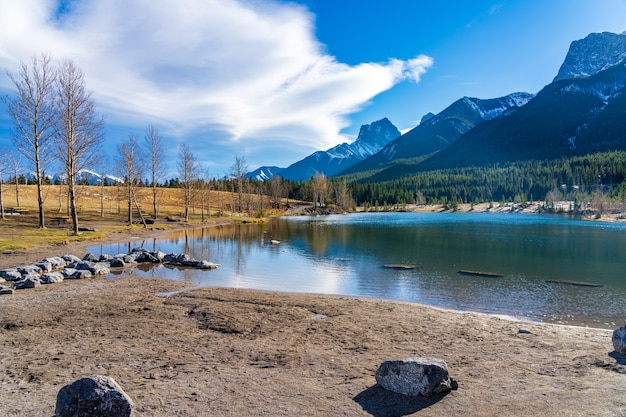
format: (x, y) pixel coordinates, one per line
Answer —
(345, 255)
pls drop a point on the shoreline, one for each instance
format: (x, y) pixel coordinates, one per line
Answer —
(22, 257)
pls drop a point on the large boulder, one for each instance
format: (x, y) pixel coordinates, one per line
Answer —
(29, 270)
(94, 396)
(415, 376)
(619, 340)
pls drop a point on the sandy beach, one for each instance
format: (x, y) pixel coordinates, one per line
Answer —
(231, 352)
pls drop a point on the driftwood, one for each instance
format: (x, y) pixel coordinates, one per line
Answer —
(480, 273)
(401, 266)
(576, 283)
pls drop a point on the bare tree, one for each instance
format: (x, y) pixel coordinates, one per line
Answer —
(319, 185)
(33, 114)
(276, 190)
(14, 163)
(238, 172)
(188, 172)
(3, 166)
(156, 161)
(343, 198)
(80, 129)
(130, 165)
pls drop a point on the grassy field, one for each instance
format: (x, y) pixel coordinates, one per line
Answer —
(105, 212)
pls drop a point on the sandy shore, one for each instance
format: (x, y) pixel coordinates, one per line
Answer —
(228, 352)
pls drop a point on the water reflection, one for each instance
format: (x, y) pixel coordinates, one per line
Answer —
(345, 254)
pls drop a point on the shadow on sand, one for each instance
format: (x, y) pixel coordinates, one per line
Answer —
(619, 358)
(379, 402)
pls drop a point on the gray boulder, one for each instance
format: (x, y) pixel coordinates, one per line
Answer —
(68, 272)
(11, 274)
(117, 263)
(29, 281)
(91, 257)
(94, 396)
(51, 277)
(29, 270)
(619, 340)
(44, 266)
(105, 257)
(56, 262)
(80, 274)
(71, 258)
(415, 376)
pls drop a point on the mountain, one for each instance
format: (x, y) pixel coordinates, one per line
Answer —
(264, 173)
(582, 114)
(370, 140)
(436, 132)
(595, 53)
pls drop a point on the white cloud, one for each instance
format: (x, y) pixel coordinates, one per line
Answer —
(245, 72)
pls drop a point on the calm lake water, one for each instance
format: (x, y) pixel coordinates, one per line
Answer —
(345, 254)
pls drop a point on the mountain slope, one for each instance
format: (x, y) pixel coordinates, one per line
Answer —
(438, 131)
(568, 117)
(371, 139)
(595, 53)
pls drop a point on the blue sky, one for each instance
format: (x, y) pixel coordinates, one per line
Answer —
(274, 81)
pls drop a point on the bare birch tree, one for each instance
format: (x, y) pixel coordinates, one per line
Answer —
(33, 115)
(188, 172)
(80, 129)
(3, 168)
(238, 172)
(130, 165)
(156, 161)
(14, 163)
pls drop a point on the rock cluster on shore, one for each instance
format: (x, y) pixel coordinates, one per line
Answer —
(57, 269)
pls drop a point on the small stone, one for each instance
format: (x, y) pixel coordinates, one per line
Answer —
(524, 331)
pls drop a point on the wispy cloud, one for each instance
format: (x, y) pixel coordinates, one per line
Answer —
(224, 72)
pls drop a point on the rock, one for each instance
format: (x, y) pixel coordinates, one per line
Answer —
(207, 265)
(56, 262)
(29, 281)
(94, 396)
(147, 257)
(6, 290)
(91, 257)
(81, 274)
(11, 274)
(68, 272)
(29, 270)
(619, 340)
(415, 376)
(117, 263)
(44, 266)
(96, 268)
(71, 258)
(51, 277)
(105, 257)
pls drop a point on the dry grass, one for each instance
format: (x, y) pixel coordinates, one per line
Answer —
(104, 213)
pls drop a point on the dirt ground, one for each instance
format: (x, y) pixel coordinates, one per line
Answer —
(232, 352)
